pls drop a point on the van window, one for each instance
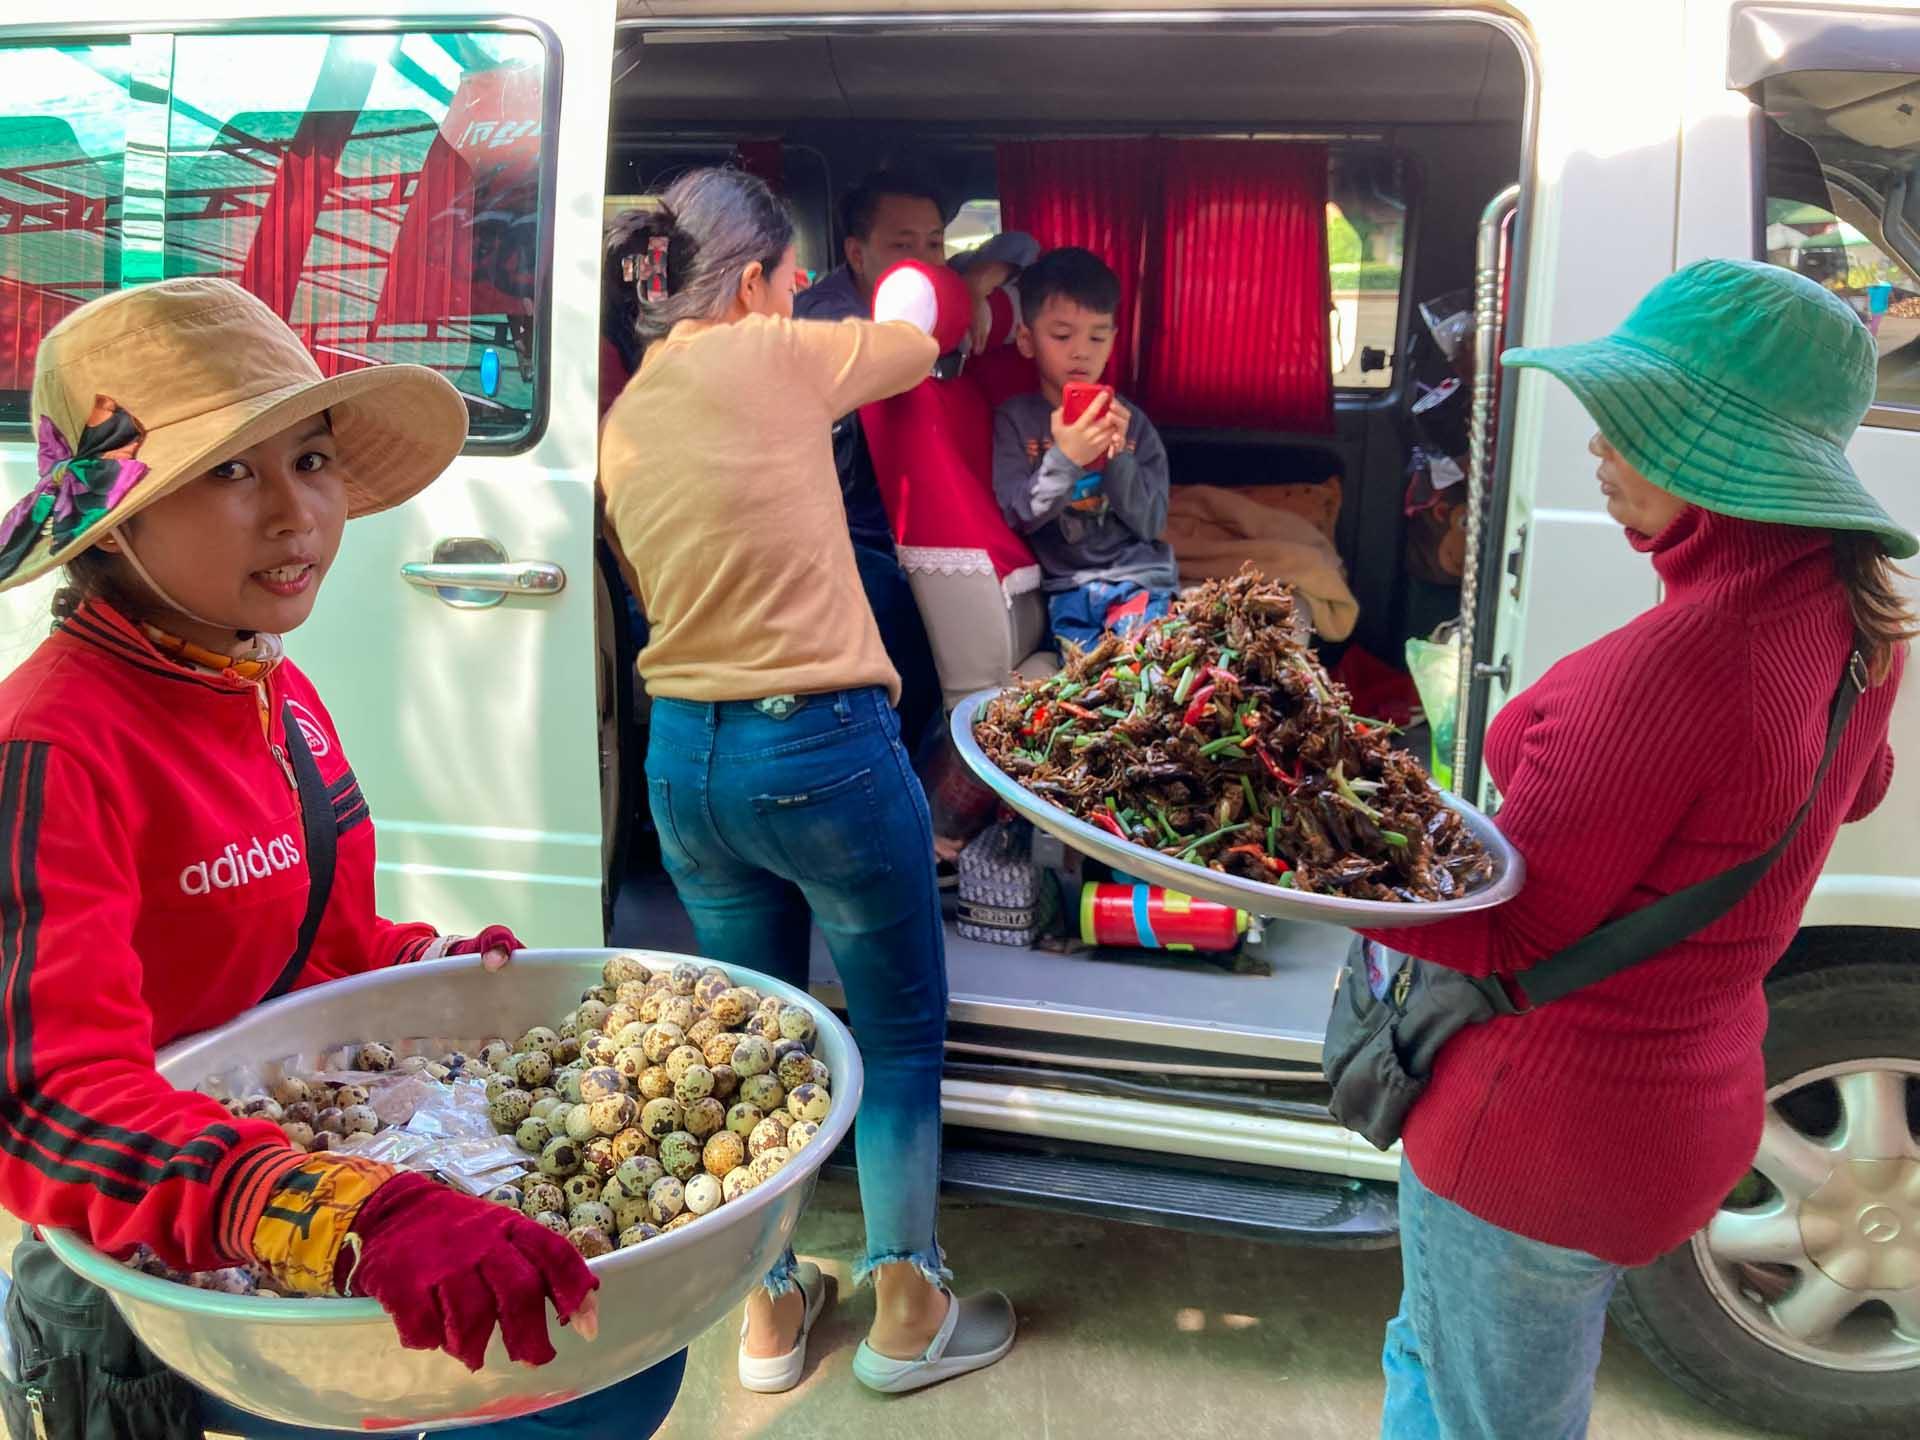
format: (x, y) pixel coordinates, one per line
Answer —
(1843, 205)
(976, 224)
(379, 190)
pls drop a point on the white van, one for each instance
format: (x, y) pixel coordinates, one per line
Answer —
(428, 181)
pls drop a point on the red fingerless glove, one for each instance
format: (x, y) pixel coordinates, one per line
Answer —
(494, 937)
(448, 1268)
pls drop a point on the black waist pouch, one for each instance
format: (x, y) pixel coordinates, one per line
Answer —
(1380, 1050)
(81, 1373)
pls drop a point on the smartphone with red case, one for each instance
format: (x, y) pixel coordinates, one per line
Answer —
(1078, 397)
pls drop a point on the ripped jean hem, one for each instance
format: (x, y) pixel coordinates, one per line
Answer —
(779, 1280)
(931, 1263)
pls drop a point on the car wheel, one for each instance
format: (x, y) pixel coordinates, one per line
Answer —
(1798, 1307)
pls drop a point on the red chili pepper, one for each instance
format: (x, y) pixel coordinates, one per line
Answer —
(1197, 706)
(1249, 742)
(1270, 861)
(1079, 712)
(1361, 731)
(1106, 821)
(1273, 766)
(1225, 677)
(1038, 720)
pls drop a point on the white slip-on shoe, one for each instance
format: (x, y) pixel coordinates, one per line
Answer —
(771, 1375)
(977, 1331)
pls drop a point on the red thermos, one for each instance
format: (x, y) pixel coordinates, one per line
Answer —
(1149, 918)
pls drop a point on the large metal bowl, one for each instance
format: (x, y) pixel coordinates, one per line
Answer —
(337, 1364)
(1274, 901)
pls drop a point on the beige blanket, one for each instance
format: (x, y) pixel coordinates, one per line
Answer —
(1214, 531)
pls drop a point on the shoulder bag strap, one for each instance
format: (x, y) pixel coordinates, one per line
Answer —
(1660, 926)
(322, 838)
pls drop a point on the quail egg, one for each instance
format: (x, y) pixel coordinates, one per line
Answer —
(581, 1187)
(533, 1134)
(510, 1196)
(719, 1050)
(631, 1061)
(666, 1199)
(801, 1133)
(767, 1135)
(795, 1070)
(601, 1082)
(263, 1107)
(620, 1016)
(661, 1041)
(331, 1121)
(695, 1083)
(566, 1084)
(662, 1117)
(597, 1157)
(683, 1059)
(589, 1017)
(561, 1158)
(735, 1184)
(591, 1241)
(685, 976)
(531, 1067)
(592, 1212)
(622, 968)
(498, 1085)
(725, 1152)
(494, 1053)
(678, 1011)
(764, 1166)
(711, 985)
(552, 1219)
(629, 1211)
(743, 1117)
(639, 1235)
(599, 1050)
(373, 1056)
(579, 1124)
(539, 1195)
(300, 1112)
(680, 1153)
(630, 1142)
(766, 1091)
(705, 1117)
(299, 1134)
(703, 1194)
(611, 1115)
(349, 1095)
(292, 1090)
(730, 1009)
(546, 1107)
(818, 1071)
(639, 1175)
(752, 1056)
(509, 1108)
(540, 1037)
(809, 1102)
(726, 1082)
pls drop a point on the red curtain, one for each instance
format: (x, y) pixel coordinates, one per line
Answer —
(1221, 250)
(1237, 323)
(1093, 193)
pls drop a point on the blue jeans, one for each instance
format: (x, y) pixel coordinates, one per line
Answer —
(631, 1410)
(1086, 614)
(1498, 1336)
(770, 826)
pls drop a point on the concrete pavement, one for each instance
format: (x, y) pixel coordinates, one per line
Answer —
(1128, 1332)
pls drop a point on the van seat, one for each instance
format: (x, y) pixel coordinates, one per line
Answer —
(975, 580)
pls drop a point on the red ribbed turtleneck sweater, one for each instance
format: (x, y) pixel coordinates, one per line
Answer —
(1616, 1120)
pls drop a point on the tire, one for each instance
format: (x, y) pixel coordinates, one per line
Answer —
(1671, 1310)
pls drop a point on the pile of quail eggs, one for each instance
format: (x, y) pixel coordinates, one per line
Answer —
(662, 1097)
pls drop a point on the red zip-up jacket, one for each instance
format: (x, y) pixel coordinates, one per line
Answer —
(153, 878)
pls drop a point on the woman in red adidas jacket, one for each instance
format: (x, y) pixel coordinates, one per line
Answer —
(196, 473)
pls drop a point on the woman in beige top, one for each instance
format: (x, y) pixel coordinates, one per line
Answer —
(778, 785)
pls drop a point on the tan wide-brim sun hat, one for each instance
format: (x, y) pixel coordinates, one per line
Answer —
(186, 374)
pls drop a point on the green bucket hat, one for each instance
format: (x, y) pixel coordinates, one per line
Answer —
(1734, 386)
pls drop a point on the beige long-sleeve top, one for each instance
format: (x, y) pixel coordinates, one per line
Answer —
(717, 465)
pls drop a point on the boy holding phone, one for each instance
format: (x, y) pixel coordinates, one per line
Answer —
(1082, 475)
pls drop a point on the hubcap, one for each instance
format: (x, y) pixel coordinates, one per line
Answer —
(1818, 1254)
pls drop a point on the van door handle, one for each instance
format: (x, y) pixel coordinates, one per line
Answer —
(525, 577)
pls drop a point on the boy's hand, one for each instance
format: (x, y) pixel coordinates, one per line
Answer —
(1090, 440)
(1122, 427)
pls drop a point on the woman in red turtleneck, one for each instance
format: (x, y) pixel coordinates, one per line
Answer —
(1553, 1149)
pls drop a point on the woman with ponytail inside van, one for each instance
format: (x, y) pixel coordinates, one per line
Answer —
(779, 788)
(182, 837)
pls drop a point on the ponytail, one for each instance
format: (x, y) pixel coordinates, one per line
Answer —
(1881, 612)
(684, 259)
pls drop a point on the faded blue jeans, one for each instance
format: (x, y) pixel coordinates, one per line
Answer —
(775, 817)
(1498, 1336)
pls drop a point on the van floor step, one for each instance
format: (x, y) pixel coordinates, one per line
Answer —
(1288, 1206)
